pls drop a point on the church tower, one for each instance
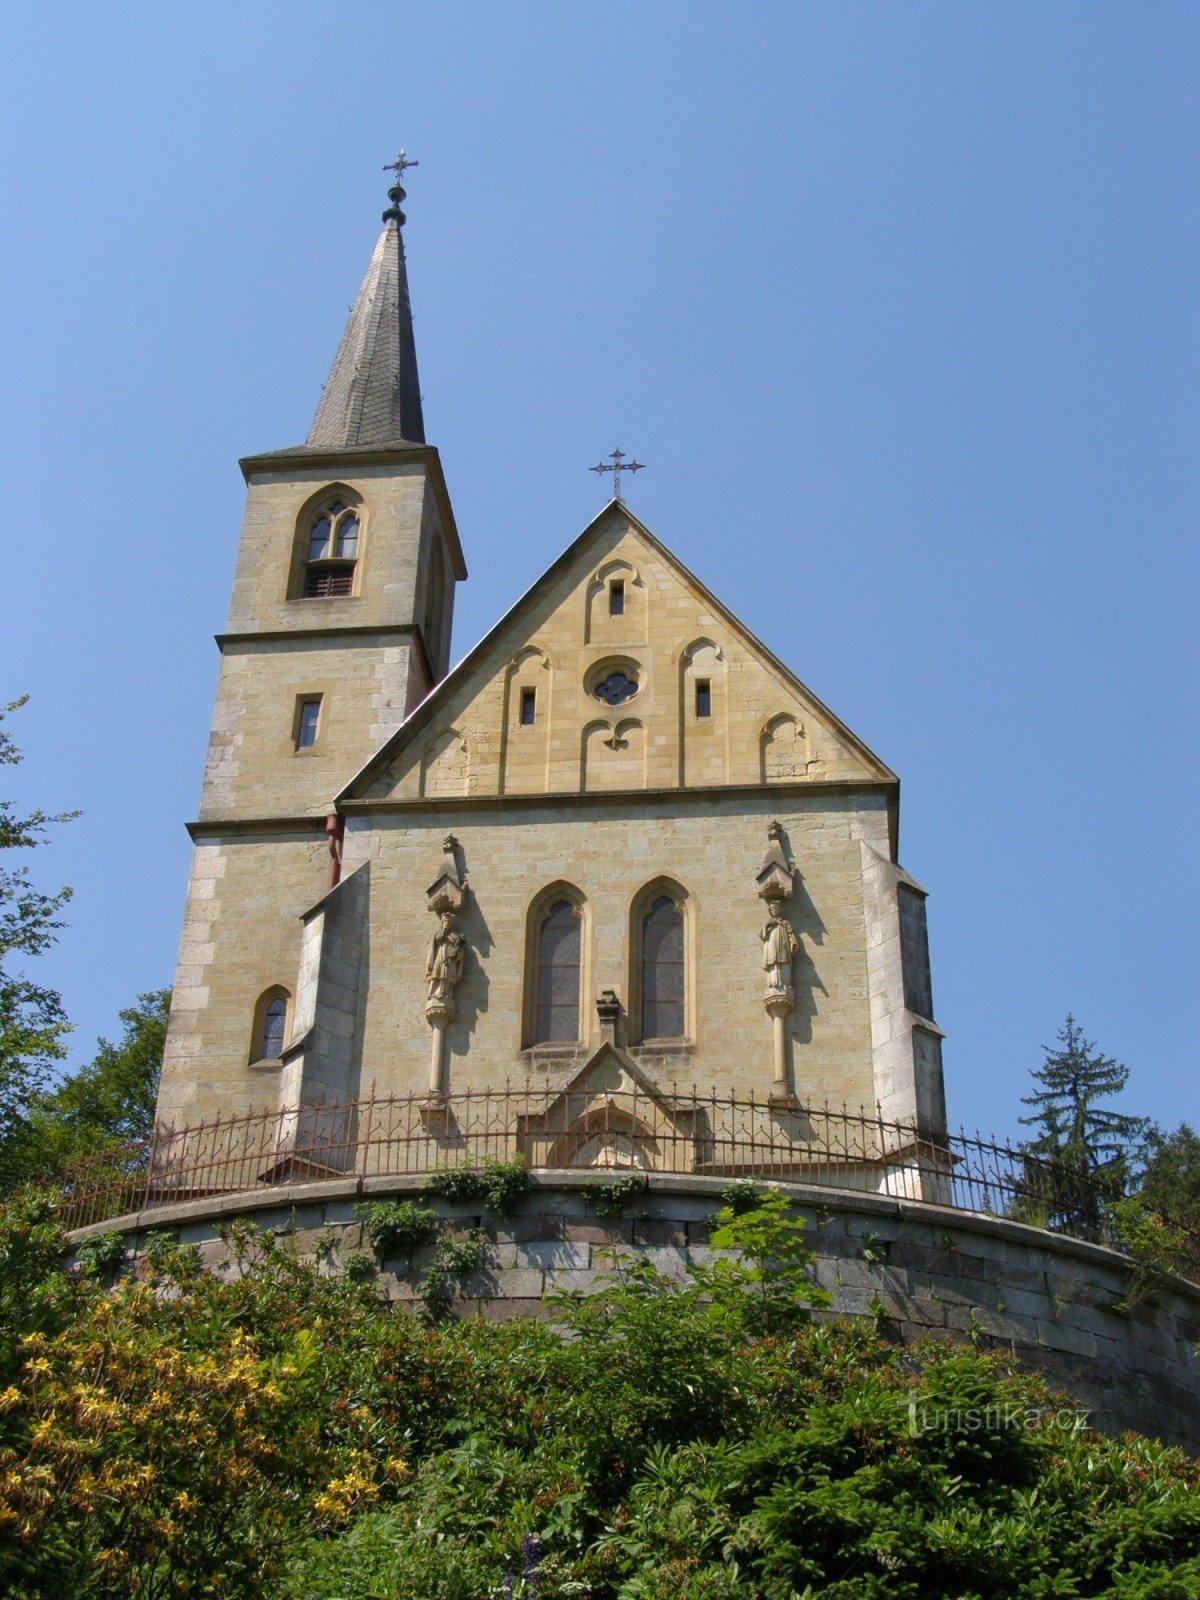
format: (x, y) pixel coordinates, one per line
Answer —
(339, 624)
(344, 590)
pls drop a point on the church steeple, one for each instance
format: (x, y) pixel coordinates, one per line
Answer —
(373, 396)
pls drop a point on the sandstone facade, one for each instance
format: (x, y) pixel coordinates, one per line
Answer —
(618, 743)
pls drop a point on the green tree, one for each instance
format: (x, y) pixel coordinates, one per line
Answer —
(1083, 1150)
(1170, 1183)
(32, 1020)
(107, 1102)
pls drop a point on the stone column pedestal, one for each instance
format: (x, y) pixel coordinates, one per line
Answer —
(779, 1004)
(438, 1013)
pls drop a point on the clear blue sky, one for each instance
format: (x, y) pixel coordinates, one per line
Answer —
(897, 301)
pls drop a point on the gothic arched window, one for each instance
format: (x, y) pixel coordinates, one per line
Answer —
(270, 1024)
(559, 956)
(332, 551)
(662, 970)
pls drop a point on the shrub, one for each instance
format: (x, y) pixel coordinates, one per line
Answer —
(452, 1260)
(102, 1253)
(395, 1226)
(612, 1197)
(498, 1184)
(359, 1265)
(280, 1433)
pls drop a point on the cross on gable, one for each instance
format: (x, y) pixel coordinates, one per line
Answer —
(619, 465)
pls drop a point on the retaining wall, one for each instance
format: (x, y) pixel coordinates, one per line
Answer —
(1123, 1349)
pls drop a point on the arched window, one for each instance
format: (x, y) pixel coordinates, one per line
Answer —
(662, 970)
(332, 551)
(270, 1025)
(559, 955)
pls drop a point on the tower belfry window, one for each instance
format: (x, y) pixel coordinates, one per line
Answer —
(332, 552)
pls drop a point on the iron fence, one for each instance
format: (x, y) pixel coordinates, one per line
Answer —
(679, 1131)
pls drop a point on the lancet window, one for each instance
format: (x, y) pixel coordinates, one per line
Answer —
(559, 956)
(333, 538)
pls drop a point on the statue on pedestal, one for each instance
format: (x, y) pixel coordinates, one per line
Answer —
(779, 946)
(444, 962)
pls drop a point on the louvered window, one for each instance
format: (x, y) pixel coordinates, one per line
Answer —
(662, 971)
(559, 950)
(323, 583)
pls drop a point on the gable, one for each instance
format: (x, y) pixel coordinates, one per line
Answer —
(618, 671)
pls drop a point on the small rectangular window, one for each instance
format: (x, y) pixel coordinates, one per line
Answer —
(616, 598)
(528, 704)
(308, 717)
(703, 698)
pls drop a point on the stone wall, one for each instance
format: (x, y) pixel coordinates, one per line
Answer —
(1123, 1350)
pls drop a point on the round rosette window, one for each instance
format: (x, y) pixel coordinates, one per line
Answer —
(613, 682)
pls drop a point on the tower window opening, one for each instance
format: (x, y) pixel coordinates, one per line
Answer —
(616, 598)
(703, 697)
(528, 707)
(332, 552)
(271, 1018)
(273, 1024)
(308, 722)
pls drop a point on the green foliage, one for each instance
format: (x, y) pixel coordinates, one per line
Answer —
(1083, 1150)
(741, 1195)
(102, 1253)
(452, 1261)
(393, 1226)
(612, 1197)
(767, 1288)
(106, 1104)
(1154, 1244)
(499, 1185)
(32, 1020)
(359, 1265)
(277, 1432)
(1170, 1180)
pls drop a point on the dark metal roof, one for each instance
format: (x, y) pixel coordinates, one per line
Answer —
(373, 396)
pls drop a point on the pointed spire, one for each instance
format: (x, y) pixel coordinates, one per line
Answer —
(373, 396)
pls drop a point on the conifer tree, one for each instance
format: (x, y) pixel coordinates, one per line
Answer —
(1082, 1150)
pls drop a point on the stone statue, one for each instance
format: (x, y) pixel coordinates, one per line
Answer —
(779, 944)
(444, 963)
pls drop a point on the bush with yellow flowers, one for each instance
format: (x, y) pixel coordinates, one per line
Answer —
(272, 1431)
(172, 1436)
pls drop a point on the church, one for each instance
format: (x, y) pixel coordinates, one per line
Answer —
(618, 849)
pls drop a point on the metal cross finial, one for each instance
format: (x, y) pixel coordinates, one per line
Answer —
(619, 465)
(400, 166)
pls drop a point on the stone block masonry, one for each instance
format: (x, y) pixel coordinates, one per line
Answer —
(1122, 1348)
